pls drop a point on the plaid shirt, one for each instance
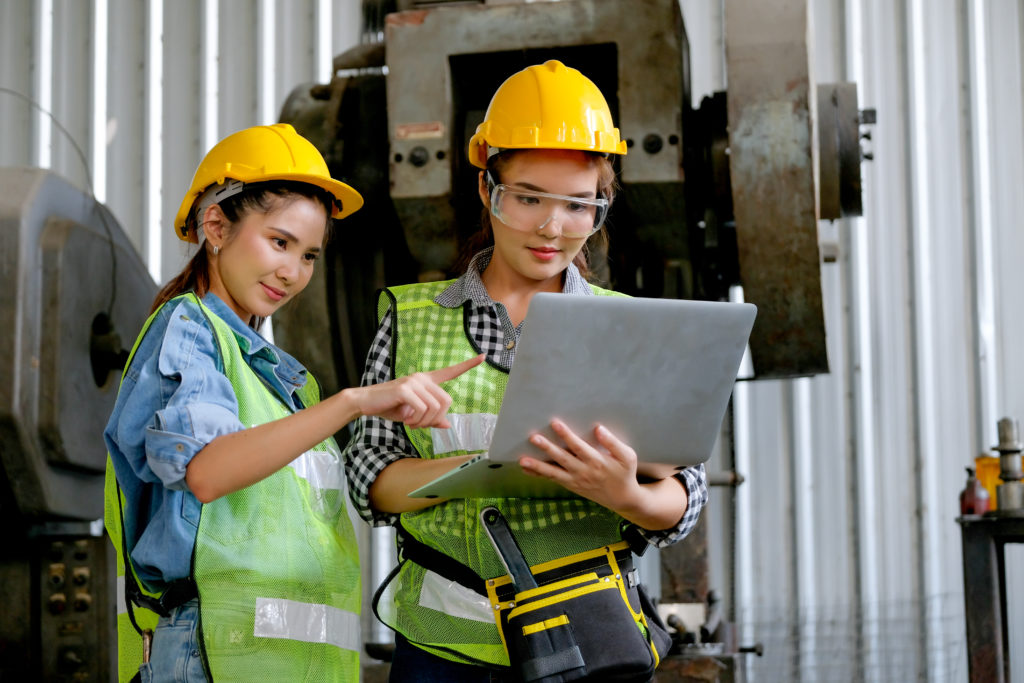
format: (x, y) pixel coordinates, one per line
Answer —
(376, 442)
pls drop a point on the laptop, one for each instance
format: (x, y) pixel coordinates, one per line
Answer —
(658, 373)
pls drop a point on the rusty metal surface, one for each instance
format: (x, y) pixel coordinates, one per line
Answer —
(839, 153)
(984, 538)
(774, 196)
(684, 567)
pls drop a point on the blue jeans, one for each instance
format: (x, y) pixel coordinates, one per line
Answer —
(175, 656)
(410, 664)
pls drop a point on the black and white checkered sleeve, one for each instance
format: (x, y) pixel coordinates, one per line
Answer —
(696, 483)
(375, 442)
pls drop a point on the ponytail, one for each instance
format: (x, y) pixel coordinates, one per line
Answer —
(194, 277)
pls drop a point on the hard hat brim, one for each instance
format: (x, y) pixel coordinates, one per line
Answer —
(349, 199)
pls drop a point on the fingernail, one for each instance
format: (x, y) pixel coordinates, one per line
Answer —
(536, 439)
(602, 430)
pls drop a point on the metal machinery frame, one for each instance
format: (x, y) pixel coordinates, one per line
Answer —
(988, 640)
(58, 383)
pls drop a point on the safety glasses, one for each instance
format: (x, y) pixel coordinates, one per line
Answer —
(529, 210)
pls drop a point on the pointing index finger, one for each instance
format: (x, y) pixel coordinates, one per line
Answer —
(452, 371)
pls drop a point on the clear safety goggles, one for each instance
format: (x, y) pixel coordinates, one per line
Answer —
(529, 210)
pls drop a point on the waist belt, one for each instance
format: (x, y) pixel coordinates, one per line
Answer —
(436, 561)
(177, 594)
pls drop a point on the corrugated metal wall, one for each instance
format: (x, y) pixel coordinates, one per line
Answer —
(847, 553)
(171, 78)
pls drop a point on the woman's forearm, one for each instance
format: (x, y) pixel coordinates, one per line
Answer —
(660, 505)
(233, 461)
(389, 493)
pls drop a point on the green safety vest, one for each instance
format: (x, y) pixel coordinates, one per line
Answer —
(436, 613)
(276, 563)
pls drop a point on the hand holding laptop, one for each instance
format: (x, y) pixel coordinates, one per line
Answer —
(605, 473)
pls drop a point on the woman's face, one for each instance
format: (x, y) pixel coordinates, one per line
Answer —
(268, 257)
(540, 253)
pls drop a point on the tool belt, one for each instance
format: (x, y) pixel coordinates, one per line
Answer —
(578, 618)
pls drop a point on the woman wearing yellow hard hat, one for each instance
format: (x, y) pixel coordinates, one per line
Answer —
(225, 487)
(546, 185)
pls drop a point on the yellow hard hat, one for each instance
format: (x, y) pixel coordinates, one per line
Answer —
(262, 153)
(546, 106)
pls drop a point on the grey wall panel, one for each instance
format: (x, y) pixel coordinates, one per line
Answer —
(1002, 41)
(126, 93)
(186, 111)
(15, 74)
(71, 78)
(296, 25)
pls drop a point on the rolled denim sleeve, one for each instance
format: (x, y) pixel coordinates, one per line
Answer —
(199, 401)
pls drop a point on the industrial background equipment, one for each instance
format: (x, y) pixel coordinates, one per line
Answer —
(79, 291)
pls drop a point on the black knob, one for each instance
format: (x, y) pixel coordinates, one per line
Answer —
(653, 143)
(419, 156)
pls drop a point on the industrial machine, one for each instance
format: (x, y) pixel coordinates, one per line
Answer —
(729, 193)
(73, 282)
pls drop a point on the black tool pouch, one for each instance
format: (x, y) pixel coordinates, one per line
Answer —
(585, 620)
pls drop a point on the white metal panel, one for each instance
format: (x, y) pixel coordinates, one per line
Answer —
(1001, 44)
(941, 312)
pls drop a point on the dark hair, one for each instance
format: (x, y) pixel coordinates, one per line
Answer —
(484, 237)
(262, 197)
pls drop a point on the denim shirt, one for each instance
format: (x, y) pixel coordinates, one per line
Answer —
(174, 399)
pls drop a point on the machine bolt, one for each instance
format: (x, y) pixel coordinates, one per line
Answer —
(419, 156)
(653, 143)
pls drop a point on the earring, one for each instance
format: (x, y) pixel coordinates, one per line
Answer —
(216, 250)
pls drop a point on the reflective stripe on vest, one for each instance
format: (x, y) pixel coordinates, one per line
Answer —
(281, 618)
(467, 433)
(322, 470)
(425, 607)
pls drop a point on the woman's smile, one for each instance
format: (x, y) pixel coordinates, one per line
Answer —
(274, 293)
